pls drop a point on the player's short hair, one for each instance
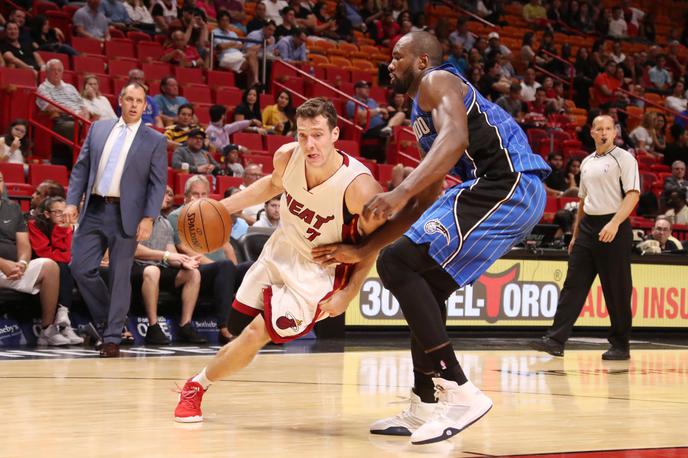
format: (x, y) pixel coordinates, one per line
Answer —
(316, 106)
(193, 180)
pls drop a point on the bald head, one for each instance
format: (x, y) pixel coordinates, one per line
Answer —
(421, 42)
(602, 119)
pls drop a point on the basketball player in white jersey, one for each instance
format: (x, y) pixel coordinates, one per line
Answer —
(284, 293)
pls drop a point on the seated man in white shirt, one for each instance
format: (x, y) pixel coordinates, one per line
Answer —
(270, 216)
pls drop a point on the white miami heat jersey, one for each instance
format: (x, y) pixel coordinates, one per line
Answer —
(314, 217)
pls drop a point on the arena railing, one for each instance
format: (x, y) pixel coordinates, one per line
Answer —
(469, 13)
(648, 102)
(571, 71)
(80, 123)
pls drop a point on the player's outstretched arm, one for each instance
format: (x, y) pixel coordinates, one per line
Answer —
(438, 95)
(264, 189)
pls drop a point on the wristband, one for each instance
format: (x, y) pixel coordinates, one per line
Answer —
(21, 261)
(165, 257)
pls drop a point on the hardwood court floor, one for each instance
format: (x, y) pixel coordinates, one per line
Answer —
(319, 405)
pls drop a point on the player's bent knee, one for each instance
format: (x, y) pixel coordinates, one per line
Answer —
(256, 334)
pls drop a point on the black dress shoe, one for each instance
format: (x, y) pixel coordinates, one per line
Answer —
(224, 340)
(155, 336)
(188, 334)
(548, 345)
(616, 354)
(109, 350)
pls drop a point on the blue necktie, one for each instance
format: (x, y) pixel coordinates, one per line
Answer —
(111, 165)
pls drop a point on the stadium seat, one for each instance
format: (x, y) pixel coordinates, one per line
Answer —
(20, 190)
(149, 51)
(254, 142)
(384, 174)
(86, 63)
(264, 161)
(252, 242)
(223, 183)
(265, 100)
(87, 45)
(64, 58)
(121, 67)
(41, 172)
(60, 20)
(228, 96)
(189, 75)
(350, 147)
(12, 173)
(22, 77)
(273, 142)
(219, 79)
(196, 93)
(156, 70)
(137, 36)
(42, 6)
(120, 47)
(202, 112)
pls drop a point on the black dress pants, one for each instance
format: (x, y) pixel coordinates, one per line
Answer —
(612, 262)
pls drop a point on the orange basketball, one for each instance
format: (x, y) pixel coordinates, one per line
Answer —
(204, 225)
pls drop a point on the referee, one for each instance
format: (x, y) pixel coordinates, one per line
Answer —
(601, 244)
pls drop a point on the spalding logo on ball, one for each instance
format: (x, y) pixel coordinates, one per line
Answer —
(204, 225)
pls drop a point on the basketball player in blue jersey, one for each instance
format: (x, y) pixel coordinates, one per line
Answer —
(453, 238)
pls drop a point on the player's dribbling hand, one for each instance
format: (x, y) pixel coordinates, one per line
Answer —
(608, 232)
(336, 253)
(384, 205)
(337, 303)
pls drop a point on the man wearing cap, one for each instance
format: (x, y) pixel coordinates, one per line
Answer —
(194, 154)
(380, 125)
(495, 45)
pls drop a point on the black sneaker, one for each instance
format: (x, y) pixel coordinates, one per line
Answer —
(616, 354)
(155, 336)
(548, 345)
(188, 334)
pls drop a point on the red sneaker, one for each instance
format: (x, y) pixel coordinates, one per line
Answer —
(189, 407)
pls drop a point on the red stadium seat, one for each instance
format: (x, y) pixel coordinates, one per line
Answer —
(264, 161)
(42, 6)
(22, 77)
(64, 58)
(189, 75)
(121, 67)
(217, 78)
(87, 45)
(384, 173)
(40, 172)
(149, 50)
(254, 142)
(228, 182)
(12, 173)
(202, 111)
(60, 20)
(120, 47)
(265, 100)
(275, 141)
(156, 70)
(196, 93)
(228, 96)
(137, 36)
(350, 147)
(20, 190)
(89, 63)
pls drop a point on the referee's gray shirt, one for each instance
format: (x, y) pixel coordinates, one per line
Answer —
(602, 178)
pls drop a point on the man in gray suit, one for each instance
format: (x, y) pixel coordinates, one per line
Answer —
(122, 172)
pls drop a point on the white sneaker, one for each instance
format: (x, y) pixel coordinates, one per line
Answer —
(458, 408)
(73, 337)
(62, 316)
(51, 336)
(406, 422)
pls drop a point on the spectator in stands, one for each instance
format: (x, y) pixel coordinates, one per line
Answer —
(535, 14)
(46, 38)
(167, 201)
(678, 149)
(661, 232)
(219, 270)
(279, 118)
(586, 73)
(18, 16)
(259, 20)
(97, 104)
(493, 85)
(273, 9)
(495, 45)
(677, 100)
(17, 54)
(232, 163)
(270, 216)
(462, 35)
(398, 103)
(181, 53)
(678, 210)
(169, 100)
(228, 49)
(140, 16)
(90, 22)
(512, 103)
(194, 155)
(677, 180)
(116, 14)
(288, 24)
(539, 105)
(606, 85)
(266, 34)
(643, 134)
(529, 86)
(178, 133)
(66, 95)
(14, 146)
(573, 173)
(237, 16)
(252, 173)
(249, 110)
(674, 62)
(19, 272)
(194, 23)
(165, 15)
(528, 55)
(618, 28)
(659, 134)
(457, 57)
(617, 55)
(218, 132)
(151, 115)
(384, 29)
(556, 184)
(647, 28)
(660, 77)
(158, 265)
(292, 48)
(239, 225)
(50, 235)
(46, 189)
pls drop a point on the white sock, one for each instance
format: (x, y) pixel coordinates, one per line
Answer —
(202, 379)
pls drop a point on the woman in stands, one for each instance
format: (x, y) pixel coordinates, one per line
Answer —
(50, 235)
(96, 103)
(249, 110)
(279, 118)
(14, 146)
(46, 38)
(659, 136)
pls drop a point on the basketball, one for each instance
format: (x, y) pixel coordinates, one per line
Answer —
(204, 225)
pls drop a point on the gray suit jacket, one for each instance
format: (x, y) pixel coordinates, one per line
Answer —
(143, 179)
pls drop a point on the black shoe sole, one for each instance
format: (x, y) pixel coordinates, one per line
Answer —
(392, 431)
(543, 348)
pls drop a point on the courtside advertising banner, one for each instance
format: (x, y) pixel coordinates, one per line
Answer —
(525, 293)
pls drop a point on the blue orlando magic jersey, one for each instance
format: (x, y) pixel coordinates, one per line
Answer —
(497, 146)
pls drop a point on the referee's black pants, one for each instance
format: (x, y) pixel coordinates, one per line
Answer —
(612, 261)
